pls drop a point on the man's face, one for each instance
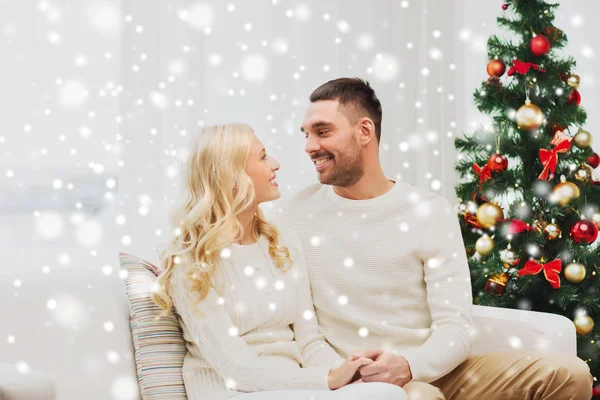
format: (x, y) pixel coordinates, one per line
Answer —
(332, 144)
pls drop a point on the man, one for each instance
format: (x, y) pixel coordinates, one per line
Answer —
(389, 273)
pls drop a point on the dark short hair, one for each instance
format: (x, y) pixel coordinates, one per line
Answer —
(353, 93)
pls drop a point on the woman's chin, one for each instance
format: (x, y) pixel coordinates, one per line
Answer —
(275, 194)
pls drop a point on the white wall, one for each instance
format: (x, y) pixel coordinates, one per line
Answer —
(263, 73)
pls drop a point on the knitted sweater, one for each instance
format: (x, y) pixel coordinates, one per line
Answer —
(389, 272)
(259, 333)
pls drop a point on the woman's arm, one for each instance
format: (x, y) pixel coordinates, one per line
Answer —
(230, 356)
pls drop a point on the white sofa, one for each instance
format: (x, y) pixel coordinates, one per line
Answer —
(94, 358)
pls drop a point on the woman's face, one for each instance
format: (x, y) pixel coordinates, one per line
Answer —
(261, 168)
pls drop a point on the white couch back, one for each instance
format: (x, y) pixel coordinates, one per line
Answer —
(73, 341)
(70, 342)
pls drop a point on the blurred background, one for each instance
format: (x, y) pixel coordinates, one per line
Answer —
(100, 98)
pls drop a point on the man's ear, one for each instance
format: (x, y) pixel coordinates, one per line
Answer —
(367, 130)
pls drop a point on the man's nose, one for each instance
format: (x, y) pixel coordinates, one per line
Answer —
(312, 144)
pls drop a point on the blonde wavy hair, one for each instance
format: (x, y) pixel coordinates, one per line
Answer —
(216, 189)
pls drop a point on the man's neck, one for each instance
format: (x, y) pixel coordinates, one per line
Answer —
(367, 187)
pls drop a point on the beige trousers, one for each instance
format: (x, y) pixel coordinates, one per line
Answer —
(510, 376)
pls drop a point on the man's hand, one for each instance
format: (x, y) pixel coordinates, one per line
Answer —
(386, 367)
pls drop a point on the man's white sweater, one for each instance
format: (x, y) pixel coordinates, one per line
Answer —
(389, 272)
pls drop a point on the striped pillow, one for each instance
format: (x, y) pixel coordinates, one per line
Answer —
(159, 345)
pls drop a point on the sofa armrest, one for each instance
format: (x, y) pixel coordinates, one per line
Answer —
(504, 329)
(33, 385)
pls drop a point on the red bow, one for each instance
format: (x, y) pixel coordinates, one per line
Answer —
(518, 226)
(523, 67)
(551, 271)
(549, 158)
(484, 173)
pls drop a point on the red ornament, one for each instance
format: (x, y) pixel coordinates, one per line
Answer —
(504, 6)
(593, 160)
(574, 98)
(539, 45)
(584, 231)
(497, 162)
(496, 68)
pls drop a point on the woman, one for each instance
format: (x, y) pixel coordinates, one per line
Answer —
(240, 286)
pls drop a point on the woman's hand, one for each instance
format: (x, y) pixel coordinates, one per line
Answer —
(343, 374)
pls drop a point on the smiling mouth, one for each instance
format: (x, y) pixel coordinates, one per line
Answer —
(320, 163)
(273, 182)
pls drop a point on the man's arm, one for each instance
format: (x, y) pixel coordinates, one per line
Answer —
(447, 276)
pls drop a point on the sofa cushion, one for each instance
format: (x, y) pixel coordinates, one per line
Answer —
(159, 345)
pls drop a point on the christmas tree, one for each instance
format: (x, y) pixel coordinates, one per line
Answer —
(529, 203)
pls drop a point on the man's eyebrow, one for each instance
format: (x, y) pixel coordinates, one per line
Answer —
(317, 125)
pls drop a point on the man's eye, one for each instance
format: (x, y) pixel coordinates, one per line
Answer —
(323, 132)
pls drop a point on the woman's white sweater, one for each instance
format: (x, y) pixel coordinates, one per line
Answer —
(258, 332)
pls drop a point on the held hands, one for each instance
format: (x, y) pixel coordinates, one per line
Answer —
(344, 374)
(386, 367)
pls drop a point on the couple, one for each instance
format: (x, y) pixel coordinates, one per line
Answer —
(390, 313)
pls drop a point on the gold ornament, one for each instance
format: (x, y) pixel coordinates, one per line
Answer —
(573, 81)
(584, 173)
(488, 214)
(485, 245)
(509, 258)
(583, 139)
(564, 192)
(551, 231)
(583, 324)
(596, 219)
(575, 272)
(529, 116)
(538, 225)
